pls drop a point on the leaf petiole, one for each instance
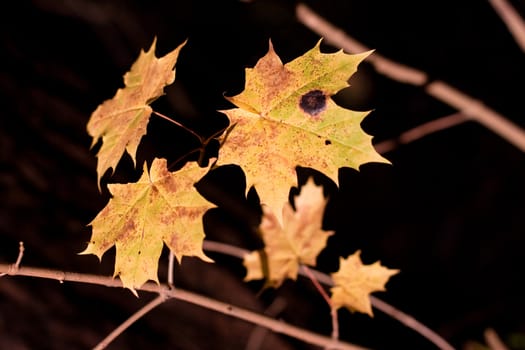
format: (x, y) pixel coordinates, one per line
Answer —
(317, 285)
(333, 310)
(201, 139)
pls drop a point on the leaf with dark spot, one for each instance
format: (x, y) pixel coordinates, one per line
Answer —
(313, 102)
(286, 118)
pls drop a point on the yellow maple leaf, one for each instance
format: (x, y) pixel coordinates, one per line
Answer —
(122, 121)
(161, 206)
(286, 117)
(297, 241)
(354, 282)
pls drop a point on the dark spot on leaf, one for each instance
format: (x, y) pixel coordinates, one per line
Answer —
(327, 142)
(139, 252)
(313, 102)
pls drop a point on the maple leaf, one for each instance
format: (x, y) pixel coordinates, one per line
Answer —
(286, 117)
(161, 206)
(298, 241)
(354, 282)
(122, 121)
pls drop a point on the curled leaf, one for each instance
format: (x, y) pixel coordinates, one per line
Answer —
(298, 240)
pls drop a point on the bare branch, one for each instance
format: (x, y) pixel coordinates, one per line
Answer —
(189, 297)
(338, 38)
(411, 322)
(438, 89)
(478, 112)
(512, 20)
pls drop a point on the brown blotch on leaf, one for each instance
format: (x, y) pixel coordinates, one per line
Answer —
(313, 102)
(327, 142)
(128, 227)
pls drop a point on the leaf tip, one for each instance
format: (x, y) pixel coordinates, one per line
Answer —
(91, 251)
(153, 45)
(318, 44)
(270, 45)
(132, 290)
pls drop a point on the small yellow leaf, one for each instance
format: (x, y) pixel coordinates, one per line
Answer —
(286, 117)
(122, 121)
(354, 282)
(161, 206)
(297, 241)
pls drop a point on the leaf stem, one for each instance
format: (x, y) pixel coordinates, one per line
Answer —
(317, 285)
(201, 139)
(326, 297)
(171, 263)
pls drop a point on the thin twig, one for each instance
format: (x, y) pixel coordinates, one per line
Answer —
(189, 297)
(411, 322)
(14, 267)
(512, 20)
(386, 308)
(226, 249)
(142, 311)
(132, 319)
(438, 89)
(421, 131)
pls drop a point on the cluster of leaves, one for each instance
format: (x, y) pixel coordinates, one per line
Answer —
(284, 118)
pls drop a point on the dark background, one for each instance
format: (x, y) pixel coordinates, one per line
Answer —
(448, 212)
